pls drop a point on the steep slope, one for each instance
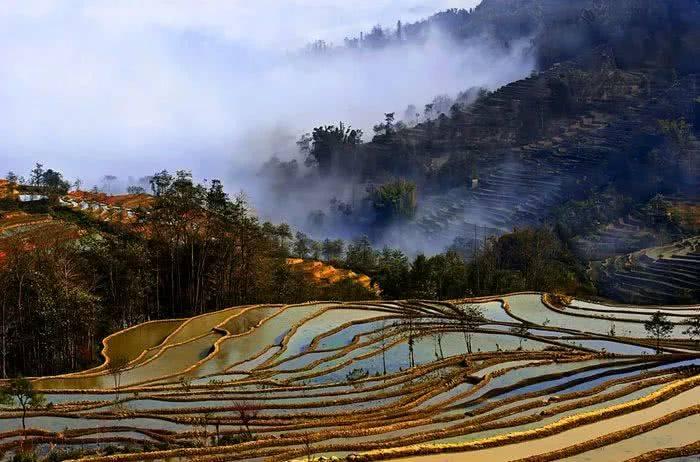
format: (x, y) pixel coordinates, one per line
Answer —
(524, 172)
(667, 274)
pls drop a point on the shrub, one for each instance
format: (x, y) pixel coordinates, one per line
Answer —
(395, 200)
(24, 456)
(237, 438)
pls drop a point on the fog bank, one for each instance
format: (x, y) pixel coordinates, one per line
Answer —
(127, 88)
(107, 87)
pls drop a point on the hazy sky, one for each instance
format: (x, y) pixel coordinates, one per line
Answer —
(261, 23)
(127, 87)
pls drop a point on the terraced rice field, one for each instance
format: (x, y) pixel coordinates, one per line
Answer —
(658, 275)
(21, 231)
(379, 380)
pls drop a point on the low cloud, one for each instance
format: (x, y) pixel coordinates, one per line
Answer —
(127, 88)
(130, 87)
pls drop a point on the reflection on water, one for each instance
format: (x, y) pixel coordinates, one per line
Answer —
(295, 362)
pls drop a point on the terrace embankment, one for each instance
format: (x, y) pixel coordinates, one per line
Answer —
(326, 274)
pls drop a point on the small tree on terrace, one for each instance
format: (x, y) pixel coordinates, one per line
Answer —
(411, 341)
(471, 317)
(383, 336)
(658, 327)
(22, 391)
(308, 449)
(116, 368)
(246, 413)
(693, 330)
(437, 339)
(521, 331)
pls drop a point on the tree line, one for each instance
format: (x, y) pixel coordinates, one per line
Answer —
(525, 259)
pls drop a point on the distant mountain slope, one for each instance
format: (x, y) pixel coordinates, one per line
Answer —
(641, 32)
(529, 151)
(667, 274)
(614, 104)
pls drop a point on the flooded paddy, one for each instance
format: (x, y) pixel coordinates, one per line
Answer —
(361, 379)
(530, 308)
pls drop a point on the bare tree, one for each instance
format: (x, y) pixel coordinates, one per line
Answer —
(203, 422)
(246, 413)
(116, 367)
(411, 340)
(306, 438)
(437, 339)
(384, 336)
(658, 327)
(217, 429)
(470, 320)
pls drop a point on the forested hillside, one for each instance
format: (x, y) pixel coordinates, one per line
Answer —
(611, 110)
